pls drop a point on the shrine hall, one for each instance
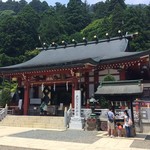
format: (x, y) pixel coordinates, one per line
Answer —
(60, 70)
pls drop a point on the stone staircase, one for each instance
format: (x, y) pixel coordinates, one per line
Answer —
(48, 122)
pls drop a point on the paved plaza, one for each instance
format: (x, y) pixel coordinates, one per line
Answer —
(19, 138)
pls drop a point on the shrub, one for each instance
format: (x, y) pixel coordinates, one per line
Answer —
(5, 97)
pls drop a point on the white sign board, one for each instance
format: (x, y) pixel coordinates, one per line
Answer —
(77, 109)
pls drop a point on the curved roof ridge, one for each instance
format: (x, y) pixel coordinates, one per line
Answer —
(79, 53)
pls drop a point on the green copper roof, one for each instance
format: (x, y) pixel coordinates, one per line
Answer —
(72, 55)
(120, 87)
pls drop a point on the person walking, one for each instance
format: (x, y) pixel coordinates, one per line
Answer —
(126, 123)
(110, 123)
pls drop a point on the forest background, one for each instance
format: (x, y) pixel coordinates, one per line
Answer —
(26, 26)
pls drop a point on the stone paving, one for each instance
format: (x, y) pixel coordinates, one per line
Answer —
(15, 148)
(76, 136)
(15, 138)
(145, 144)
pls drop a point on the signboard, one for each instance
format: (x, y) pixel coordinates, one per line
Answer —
(77, 109)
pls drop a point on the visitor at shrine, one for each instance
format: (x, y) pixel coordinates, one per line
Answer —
(44, 104)
(110, 123)
(126, 123)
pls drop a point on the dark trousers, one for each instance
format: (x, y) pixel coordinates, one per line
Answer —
(128, 131)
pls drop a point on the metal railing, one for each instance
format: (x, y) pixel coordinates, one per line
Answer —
(3, 112)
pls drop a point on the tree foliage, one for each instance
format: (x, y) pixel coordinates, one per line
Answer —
(109, 77)
(6, 88)
(21, 24)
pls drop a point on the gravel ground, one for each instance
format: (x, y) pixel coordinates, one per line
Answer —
(65, 136)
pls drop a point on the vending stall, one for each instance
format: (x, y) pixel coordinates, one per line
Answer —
(121, 95)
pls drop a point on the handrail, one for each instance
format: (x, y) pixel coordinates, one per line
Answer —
(3, 112)
(67, 116)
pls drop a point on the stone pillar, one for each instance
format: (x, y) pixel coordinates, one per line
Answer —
(76, 120)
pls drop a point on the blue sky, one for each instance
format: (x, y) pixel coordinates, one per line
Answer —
(52, 2)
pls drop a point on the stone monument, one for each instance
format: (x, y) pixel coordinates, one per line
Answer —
(76, 120)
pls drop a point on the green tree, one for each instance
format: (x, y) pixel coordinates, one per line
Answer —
(136, 20)
(18, 34)
(98, 27)
(77, 16)
(22, 4)
(6, 88)
(99, 10)
(147, 29)
(32, 21)
(117, 9)
(52, 26)
(5, 97)
(39, 6)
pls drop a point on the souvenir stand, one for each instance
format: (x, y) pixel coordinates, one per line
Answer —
(121, 95)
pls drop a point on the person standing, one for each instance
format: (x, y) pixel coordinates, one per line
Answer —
(126, 124)
(110, 123)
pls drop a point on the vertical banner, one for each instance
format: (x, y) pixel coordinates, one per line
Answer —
(77, 109)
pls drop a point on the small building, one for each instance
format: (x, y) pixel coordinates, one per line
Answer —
(63, 69)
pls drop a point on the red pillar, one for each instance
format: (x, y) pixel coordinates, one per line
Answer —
(96, 80)
(74, 87)
(122, 75)
(87, 85)
(26, 98)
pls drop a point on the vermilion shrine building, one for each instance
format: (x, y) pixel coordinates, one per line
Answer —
(78, 66)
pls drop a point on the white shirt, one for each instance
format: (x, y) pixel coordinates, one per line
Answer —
(126, 120)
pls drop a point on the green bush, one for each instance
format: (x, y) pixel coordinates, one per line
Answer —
(104, 103)
(109, 77)
(6, 88)
(5, 97)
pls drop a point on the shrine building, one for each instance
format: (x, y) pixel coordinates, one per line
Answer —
(66, 68)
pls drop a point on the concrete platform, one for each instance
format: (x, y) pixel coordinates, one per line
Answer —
(19, 138)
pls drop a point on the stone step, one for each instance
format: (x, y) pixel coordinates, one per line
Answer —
(34, 121)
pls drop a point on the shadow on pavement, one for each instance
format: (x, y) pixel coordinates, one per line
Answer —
(143, 144)
(76, 136)
(2, 147)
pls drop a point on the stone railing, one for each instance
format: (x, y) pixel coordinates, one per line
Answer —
(85, 113)
(3, 112)
(67, 116)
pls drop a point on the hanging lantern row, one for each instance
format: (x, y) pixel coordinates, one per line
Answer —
(120, 65)
(45, 71)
